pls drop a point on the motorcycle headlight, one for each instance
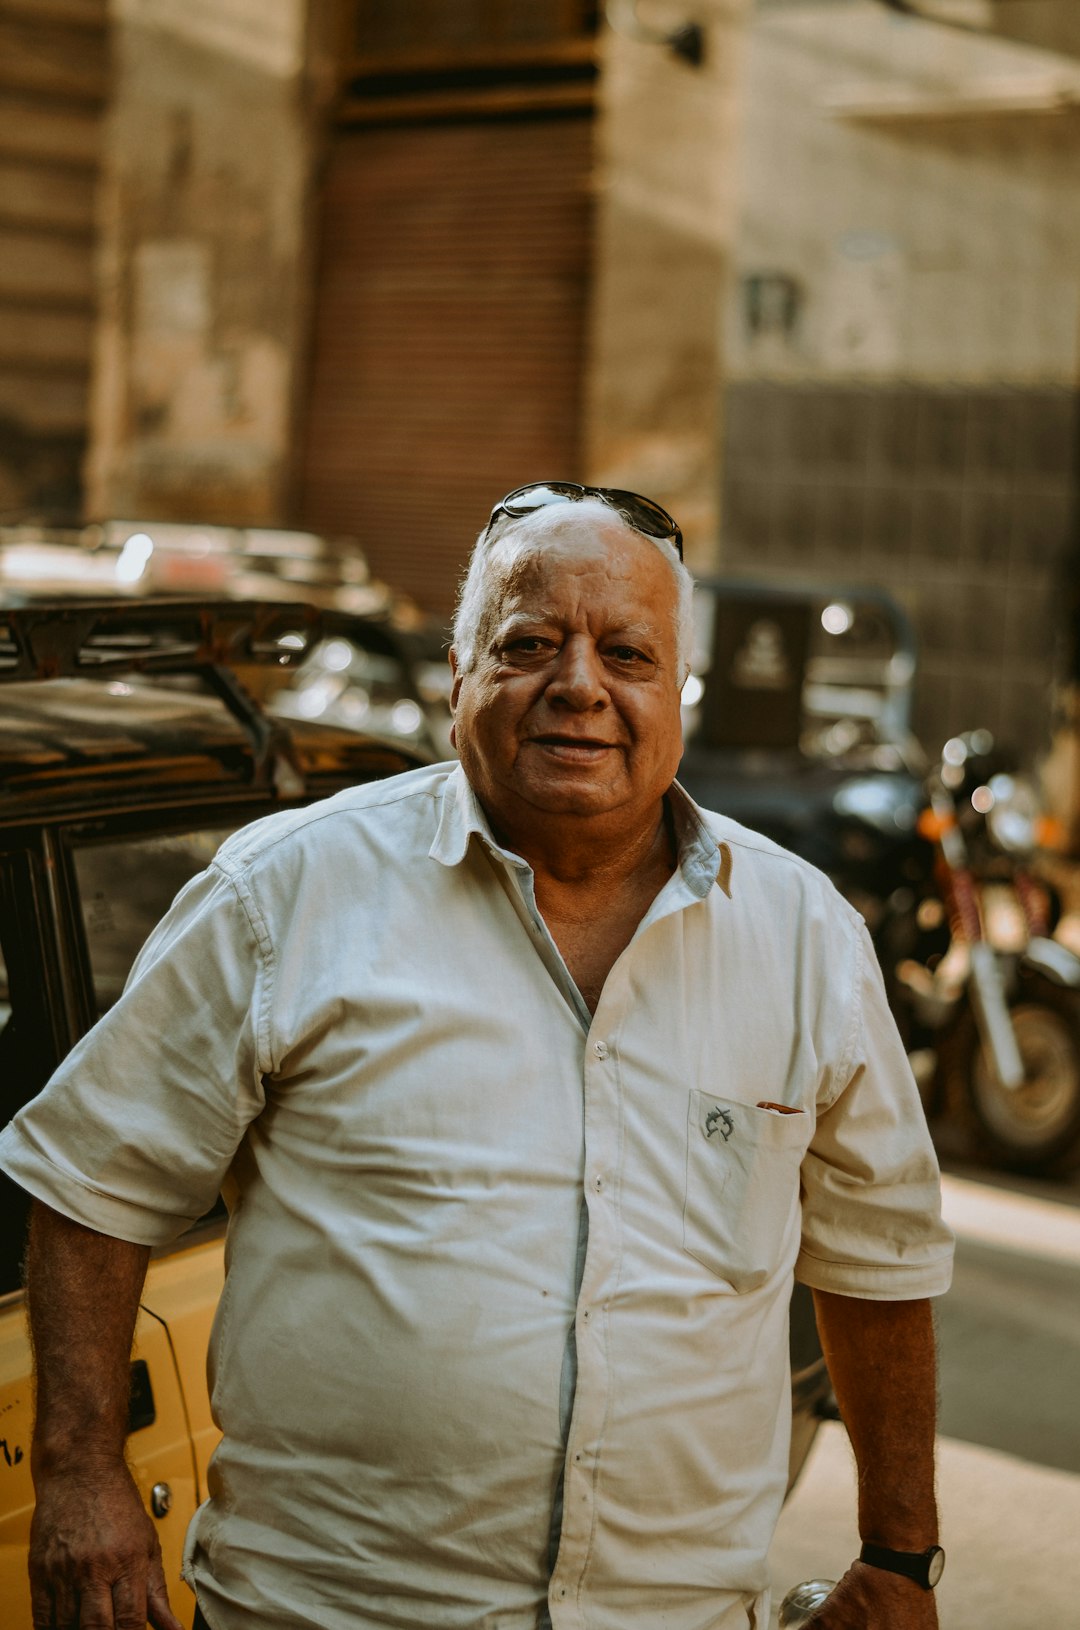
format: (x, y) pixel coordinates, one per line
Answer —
(1013, 817)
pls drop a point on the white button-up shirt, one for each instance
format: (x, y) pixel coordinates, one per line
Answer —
(358, 1025)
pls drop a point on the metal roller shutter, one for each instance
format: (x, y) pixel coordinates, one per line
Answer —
(53, 85)
(448, 356)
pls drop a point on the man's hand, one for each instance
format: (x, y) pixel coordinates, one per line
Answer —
(95, 1561)
(872, 1599)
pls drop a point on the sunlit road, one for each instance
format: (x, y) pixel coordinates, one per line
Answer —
(1009, 1463)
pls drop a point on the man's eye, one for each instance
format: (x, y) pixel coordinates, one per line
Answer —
(627, 653)
(527, 645)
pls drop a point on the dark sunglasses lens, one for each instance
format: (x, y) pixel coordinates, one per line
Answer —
(647, 520)
(642, 514)
(647, 517)
(525, 499)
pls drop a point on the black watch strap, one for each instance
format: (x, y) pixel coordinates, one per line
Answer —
(925, 1567)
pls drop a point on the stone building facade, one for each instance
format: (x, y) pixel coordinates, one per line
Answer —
(362, 266)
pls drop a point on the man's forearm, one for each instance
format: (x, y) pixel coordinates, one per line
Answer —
(83, 1291)
(94, 1556)
(881, 1358)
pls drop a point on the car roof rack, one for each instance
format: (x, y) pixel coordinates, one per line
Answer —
(94, 640)
(87, 639)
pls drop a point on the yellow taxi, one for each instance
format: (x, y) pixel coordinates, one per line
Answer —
(131, 744)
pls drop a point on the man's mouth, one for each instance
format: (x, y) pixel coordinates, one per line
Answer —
(579, 749)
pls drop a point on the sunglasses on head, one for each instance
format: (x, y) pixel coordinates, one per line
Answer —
(638, 512)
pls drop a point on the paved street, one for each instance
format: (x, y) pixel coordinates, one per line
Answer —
(1009, 1465)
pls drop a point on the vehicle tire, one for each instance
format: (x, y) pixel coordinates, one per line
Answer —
(1037, 1128)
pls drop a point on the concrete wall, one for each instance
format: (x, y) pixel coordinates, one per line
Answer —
(902, 395)
(664, 229)
(939, 246)
(205, 255)
(1040, 22)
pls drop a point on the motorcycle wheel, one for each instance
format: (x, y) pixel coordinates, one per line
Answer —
(1037, 1127)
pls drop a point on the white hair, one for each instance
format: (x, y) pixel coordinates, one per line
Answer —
(511, 536)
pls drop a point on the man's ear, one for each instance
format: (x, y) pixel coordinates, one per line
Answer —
(454, 691)
(456, 677)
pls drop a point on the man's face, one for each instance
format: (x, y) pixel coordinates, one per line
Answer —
(572, 704)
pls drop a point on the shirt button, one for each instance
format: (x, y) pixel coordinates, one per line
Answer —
(600, 1049)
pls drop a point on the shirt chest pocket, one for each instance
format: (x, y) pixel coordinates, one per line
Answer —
(742, 1183)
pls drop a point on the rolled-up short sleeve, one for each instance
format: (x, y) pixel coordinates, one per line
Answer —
(135, 1132)
(871, 1219)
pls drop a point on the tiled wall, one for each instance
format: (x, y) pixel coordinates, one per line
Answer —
(960, 500)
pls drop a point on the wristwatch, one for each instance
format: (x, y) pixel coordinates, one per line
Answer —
(925, 1567)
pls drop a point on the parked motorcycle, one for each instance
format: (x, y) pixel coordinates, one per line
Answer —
(797, 718)
(988, 1001)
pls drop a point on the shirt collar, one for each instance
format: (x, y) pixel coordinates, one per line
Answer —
(461, 818)
(703, 859)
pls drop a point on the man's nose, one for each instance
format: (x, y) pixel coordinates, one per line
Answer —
(579, 680)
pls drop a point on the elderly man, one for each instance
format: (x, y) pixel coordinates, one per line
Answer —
(529, 1085)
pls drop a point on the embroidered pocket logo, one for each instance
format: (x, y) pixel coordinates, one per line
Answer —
(718, 1120)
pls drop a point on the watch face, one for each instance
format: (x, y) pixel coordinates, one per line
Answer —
(935, 1565)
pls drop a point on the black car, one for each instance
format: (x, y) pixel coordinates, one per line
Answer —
(797, 718)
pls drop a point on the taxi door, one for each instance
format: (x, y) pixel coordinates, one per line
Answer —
(160, 1452)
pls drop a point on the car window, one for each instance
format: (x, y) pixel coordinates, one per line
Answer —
(341, 683)
(125, 887)
(26, 1050)
(825, 673)
(26, 1042)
